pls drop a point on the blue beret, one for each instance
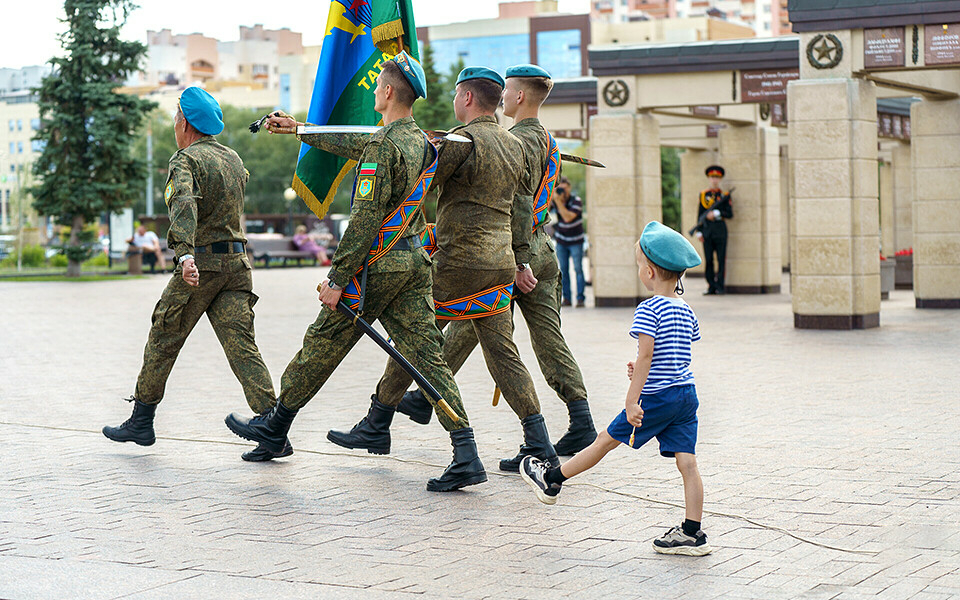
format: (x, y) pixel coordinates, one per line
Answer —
(201, 110)
(668, 249)
(480, 73)
(412, 70)
(527, 71)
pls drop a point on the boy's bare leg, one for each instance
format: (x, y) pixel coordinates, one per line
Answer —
(692, 485)
(591, 455)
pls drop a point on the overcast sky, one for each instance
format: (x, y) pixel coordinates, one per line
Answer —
(33, 40)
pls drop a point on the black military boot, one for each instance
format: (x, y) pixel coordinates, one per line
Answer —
(260, 454)
(416, 406)
(138, 428)
(582, 431)
(372, 433)
(536, 442)
(466, 468)
(269, 429)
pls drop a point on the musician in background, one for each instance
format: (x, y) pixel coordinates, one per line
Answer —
(715, 208)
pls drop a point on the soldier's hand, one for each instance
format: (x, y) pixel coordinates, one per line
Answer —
(191, 274)
(710, 216)
(329, 296)
(699, 236)
(280, 122)
(526, 281)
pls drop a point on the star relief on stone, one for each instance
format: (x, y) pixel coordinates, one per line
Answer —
(828, 51)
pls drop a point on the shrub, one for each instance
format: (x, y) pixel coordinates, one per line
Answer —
(33, 256)
(59, 261)
(99, 260)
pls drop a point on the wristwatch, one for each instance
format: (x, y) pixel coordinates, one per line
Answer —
(523, 267)
(185, 257)
(334, 286)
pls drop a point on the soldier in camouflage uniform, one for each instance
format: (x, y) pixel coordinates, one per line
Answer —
(204, 194)
(398, 285)
(478, 185)
(527, 86)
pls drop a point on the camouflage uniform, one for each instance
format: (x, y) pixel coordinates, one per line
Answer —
(398, 290)
(204, 194)
(478, 185)
(541, 306)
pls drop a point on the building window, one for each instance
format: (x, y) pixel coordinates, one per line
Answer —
(19, 147)
(559, 53)
(19, 124)
(37, 145)
(35, 124)
(13, 147)
(11, 124)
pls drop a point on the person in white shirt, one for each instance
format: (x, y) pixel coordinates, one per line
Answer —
(147, 242)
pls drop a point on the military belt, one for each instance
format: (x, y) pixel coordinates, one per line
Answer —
(221, 248)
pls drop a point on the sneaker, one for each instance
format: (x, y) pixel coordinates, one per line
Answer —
(581, 304)
(534, 472)
(565, 303)
(675, 541)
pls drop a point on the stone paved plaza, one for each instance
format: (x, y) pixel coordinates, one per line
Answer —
(830, 463)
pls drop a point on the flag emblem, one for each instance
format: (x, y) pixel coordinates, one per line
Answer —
(368, 169)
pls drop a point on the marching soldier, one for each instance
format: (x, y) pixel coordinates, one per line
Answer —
(396, 166)
(204, 194)
(475, 261)
(715, 207)
(527, 86)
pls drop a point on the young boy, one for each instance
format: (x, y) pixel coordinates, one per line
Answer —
(662, 399)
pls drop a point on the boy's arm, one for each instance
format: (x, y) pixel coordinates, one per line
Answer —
(641, 368)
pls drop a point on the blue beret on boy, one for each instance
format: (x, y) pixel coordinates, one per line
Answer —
(668, 249)
(201, 110)
(413, 72)
(480, 73)
(527, 71)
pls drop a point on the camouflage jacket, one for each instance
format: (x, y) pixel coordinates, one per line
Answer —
(396, 156)
(534, 138)
(204, 195)
(478, 184)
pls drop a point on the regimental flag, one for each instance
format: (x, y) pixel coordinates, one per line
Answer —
(394, 22)
(343, 91)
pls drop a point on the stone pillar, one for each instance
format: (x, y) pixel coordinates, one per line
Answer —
(886, 207)
(621, 200)
(693, 164)
(935, 140)
(785, 205)
(902, 198)
(751, 157)
(834, 264)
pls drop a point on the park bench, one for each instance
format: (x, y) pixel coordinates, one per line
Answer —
(269, 249)
(136, 260)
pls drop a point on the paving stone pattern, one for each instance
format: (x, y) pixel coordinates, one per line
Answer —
(847, 439)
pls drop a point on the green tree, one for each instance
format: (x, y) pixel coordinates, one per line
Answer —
(670, 186)
(86, 167)
(436, 110)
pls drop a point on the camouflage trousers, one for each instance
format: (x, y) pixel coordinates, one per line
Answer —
(494, 333)
(225, 295)
(403, 302)
(541, 310)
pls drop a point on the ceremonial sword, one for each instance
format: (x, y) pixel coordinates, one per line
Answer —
(412, 371)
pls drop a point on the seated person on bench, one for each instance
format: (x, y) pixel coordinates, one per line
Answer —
(308, 242)
(148, 243)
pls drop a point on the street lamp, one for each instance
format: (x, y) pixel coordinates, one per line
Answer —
(289, 195)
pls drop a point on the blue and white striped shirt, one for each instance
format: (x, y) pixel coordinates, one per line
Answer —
(673, 327)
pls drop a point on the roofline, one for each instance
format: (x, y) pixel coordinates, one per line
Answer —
(723, 55)
(827, 15)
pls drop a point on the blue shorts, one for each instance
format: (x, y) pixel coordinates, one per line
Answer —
(670, 415)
